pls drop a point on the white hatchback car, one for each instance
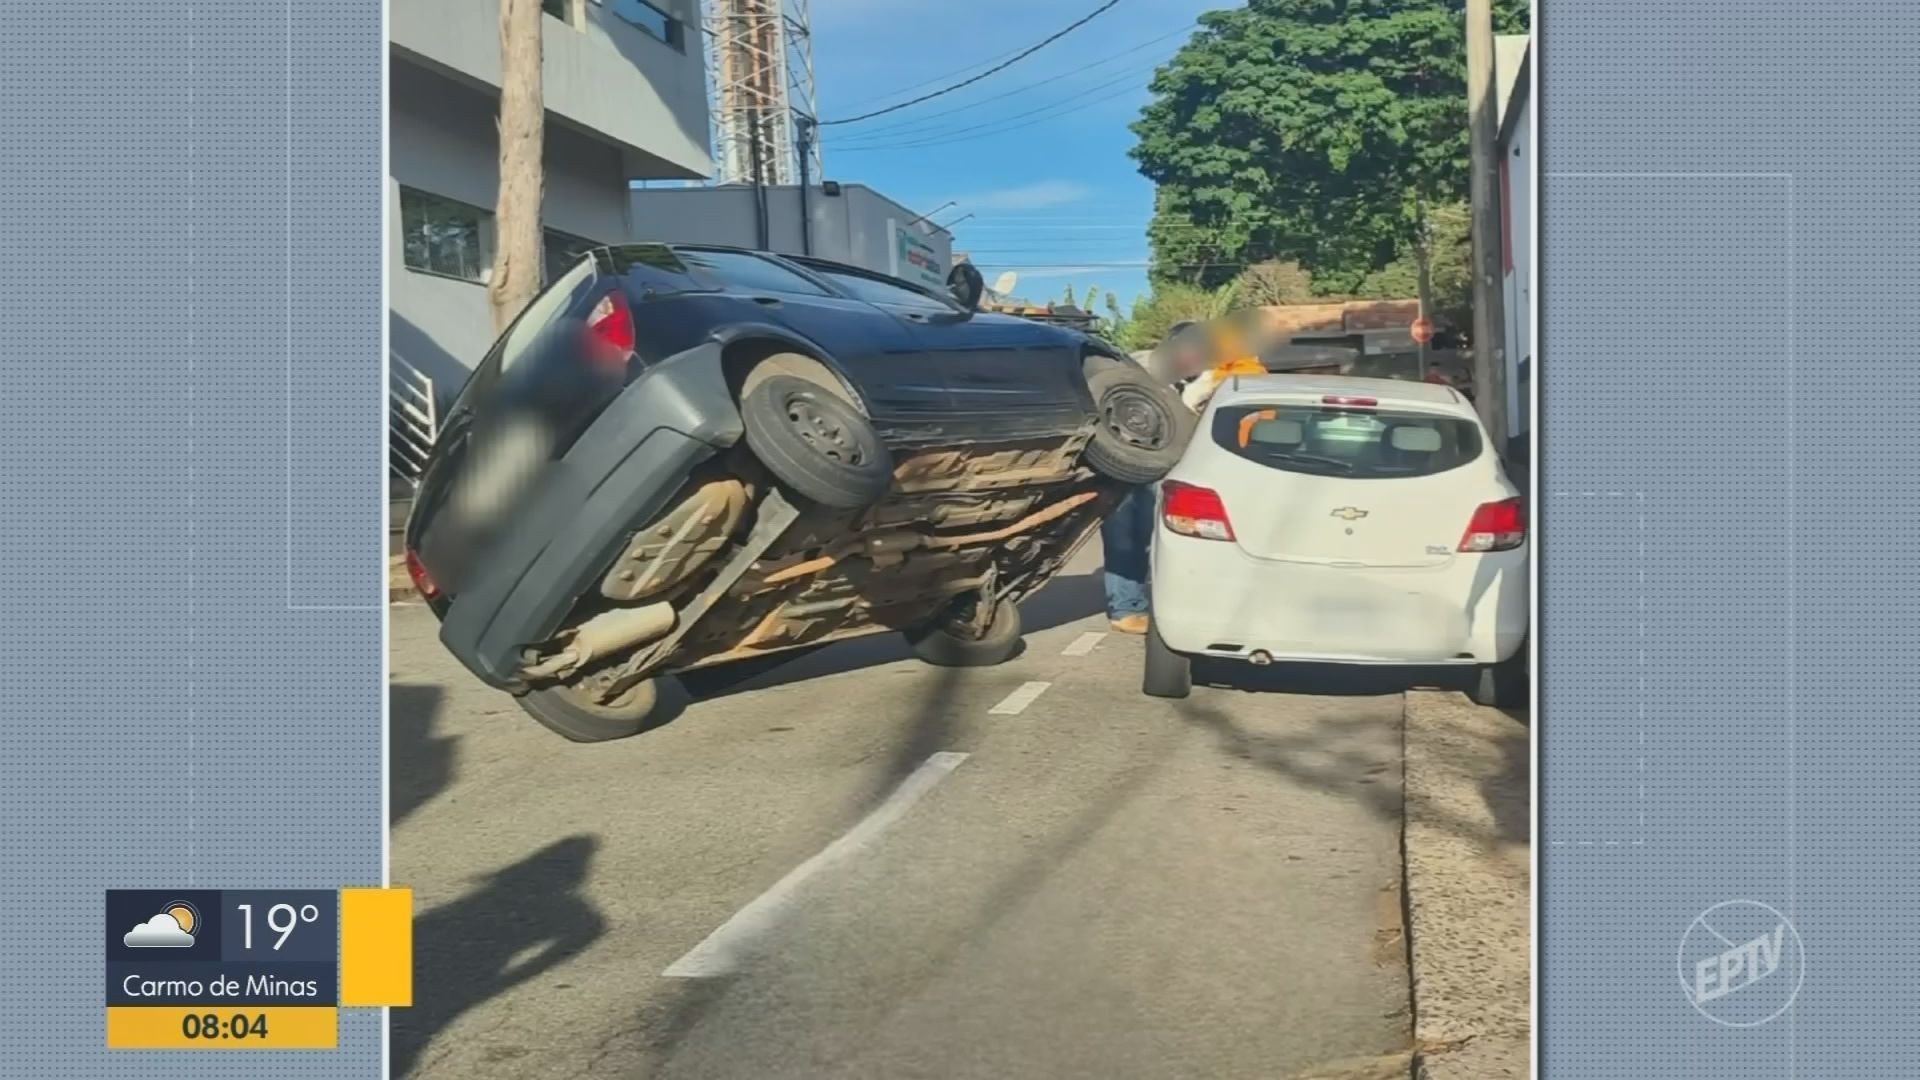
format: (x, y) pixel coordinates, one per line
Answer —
(1340, 520)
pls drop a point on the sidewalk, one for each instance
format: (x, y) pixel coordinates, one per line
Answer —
(1467, 851)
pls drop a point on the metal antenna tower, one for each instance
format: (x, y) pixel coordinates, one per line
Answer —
(760, 71)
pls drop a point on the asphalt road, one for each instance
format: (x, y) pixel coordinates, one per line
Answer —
(1104, 885)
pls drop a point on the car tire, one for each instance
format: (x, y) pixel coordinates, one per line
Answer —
(1502, 685)
(816, 443)
(568, 713)
(1142, 427)
(941, 647)
(1168, 674)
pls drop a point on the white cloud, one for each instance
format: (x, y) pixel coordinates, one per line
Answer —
(160, 932)
(1044, 195)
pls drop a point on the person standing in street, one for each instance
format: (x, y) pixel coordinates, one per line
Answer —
(1126, 536)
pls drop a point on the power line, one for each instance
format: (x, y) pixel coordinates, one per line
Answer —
(1023, 54)
(934, 79)
(1084, 68)
(1049, 112)
(1127, 265)
(938, 132)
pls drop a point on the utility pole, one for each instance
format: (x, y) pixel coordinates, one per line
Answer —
(803, 131)
(1489, 298)
(521, 127)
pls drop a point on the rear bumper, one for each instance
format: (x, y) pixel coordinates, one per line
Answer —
(623, 470)
(1213, 599)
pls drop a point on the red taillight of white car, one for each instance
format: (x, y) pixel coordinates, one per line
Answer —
(1496, 526)
(1195, 511)
(610, 330)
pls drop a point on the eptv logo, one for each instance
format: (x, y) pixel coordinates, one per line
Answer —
(1741, 963)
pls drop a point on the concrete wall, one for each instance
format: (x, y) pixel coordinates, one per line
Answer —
(443, 143)
(604, 76)
(852, 227)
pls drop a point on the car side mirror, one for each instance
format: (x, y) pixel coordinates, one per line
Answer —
(967, 286)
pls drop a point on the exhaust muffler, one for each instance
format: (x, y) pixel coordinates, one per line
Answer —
(607, 633)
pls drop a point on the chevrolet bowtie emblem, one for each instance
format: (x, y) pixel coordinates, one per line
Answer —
(1349, 513)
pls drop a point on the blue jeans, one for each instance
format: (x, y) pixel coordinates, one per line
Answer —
(1126, 535)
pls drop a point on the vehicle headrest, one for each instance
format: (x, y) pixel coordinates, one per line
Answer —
(1415, 439)
(1278, 432)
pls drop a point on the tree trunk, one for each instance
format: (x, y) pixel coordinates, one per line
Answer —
(522, 128)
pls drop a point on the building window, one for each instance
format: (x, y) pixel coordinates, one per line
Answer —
(562, 250)
(648, 18)
(441, 236)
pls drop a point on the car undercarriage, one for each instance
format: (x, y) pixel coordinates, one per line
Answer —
(733, 570)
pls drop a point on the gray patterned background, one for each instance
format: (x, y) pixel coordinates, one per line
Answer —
(191, 413)
(1730, 247)
(191, 418)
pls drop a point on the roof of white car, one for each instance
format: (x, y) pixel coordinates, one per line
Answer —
(1431, 397)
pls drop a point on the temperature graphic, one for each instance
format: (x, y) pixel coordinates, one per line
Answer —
(281, 919)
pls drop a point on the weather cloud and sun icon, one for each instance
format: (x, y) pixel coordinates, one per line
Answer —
(171, 929)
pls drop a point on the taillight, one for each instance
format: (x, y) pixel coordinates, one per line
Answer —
(1350, 402)
(1195, 511)
(610, 330)
(422, 581)
(1496, 526)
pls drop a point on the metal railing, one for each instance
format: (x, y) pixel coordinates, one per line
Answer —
(413, 420)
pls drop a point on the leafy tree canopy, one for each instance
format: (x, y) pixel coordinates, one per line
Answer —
(1309, 131)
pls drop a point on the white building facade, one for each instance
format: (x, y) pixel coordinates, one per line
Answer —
(625, 90)
(1516, 201)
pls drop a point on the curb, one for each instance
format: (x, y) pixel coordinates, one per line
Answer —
(1468, 887)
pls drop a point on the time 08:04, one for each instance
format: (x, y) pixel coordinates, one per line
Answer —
(237, 1026)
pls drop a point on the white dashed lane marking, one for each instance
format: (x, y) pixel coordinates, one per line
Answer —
(724, 950)
(1083, 644)
(1017, 702)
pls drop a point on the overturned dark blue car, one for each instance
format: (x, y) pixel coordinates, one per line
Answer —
(683, 457)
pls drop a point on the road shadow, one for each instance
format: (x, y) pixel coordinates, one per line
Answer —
(521, 922)
(1325, 680)
(1065, 599)
(1314, 756)
(421, 759)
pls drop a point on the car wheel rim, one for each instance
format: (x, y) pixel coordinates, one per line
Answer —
(1135, 418)
(823, 432)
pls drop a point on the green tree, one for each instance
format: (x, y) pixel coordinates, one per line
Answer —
(1274, 282)
(1307, 130)
(1451, 250)
(1156, 313)
(1116, 328)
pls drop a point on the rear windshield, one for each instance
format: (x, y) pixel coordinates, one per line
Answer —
(1364, 444)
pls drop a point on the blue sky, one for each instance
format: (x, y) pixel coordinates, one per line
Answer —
(1037, 153)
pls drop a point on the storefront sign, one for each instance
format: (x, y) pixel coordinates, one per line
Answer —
(915, 260)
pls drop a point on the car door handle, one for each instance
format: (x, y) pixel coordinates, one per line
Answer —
(767, 301)
(916, 316)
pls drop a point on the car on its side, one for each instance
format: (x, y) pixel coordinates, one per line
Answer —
(679, 457)
(1340, 520)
